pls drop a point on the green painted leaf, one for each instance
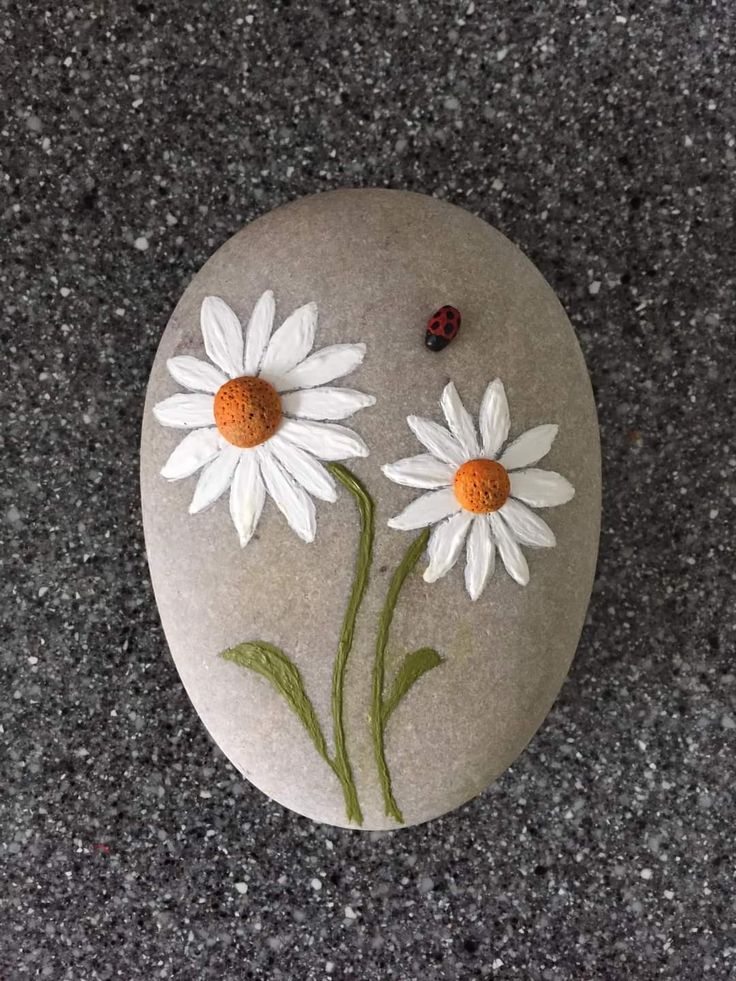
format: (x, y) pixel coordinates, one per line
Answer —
(280, 670)
(415, 664)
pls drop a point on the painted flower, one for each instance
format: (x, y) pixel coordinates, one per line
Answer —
(262, 415)
(475, 494)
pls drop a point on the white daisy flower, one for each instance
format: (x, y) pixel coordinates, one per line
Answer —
(262, 415)
(477, 495)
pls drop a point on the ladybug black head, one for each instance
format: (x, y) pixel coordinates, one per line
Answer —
(435, 342)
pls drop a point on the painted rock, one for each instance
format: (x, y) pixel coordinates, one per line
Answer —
(372, 564)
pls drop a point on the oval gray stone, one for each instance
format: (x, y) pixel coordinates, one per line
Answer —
(377, 263)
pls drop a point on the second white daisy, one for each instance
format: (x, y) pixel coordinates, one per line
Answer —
(475, 495)
(262, 415)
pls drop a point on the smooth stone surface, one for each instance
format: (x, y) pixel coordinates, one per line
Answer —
(376, 263)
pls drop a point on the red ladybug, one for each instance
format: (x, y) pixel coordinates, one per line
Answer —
(442, 327)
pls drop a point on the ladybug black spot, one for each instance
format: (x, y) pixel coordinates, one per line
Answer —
(449, 329)
(450, 313)
(436, 325)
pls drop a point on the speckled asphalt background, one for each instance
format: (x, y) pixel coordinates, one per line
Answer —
(136, 137)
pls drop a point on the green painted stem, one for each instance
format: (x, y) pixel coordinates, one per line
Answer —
(378, 713)
(362, 567)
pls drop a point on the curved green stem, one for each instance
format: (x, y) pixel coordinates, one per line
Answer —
(362, 566)
(379, 713)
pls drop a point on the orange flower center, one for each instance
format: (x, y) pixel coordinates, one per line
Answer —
(247, 411)
(481, 486)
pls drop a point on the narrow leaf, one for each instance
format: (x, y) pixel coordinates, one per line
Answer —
(280, 670)
(415, 664)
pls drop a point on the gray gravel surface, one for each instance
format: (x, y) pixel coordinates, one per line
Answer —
(134, 139)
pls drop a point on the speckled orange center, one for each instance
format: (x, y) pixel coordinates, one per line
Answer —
(482, 486)
(247, 411)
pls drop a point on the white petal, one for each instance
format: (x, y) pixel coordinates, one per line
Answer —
(196, 375)
(494, 418)
(291, 499)
(459, 421)
(325, 403)
(196, 449)
(303, 468)
(223, 335)
(258, 332)
(541, 488)
(215, 478)
(526, 526)
(509, 550)
(321, 367)
(323, 439)
(437, 440)
(426, 509)
(420, 471)
(481, 554)
(292, 342)
(445, 544)
(247, 494)
(185, 411)
(529, 447)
